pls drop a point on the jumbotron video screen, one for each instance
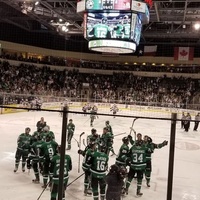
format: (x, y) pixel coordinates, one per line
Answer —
(107, 4)
(108, 26)
(136, 29)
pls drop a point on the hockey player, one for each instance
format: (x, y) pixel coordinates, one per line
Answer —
(114, 180)
(95, 109)
(123, 152)
(187, 123)
(70, 133)
(84, 109)
(126, 27)
(106, 139)
(41, 124)
(114, 109)
(196, 123)
(151, 146)
(38, 103)
(35, 135)
(23, 147)
(87, 153)
(92, 117)
(33, 159)
(107, 123)
(48, 150)
(46, 131)
(54, 171)
(137, 163)
(138, 138)
(98, 163)
(101, 30)
(182, 120)
(93, 136)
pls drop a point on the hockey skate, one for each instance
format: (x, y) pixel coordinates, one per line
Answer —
(113, 154)
(87, 192)
(15, 170)
(138, 193)
(148, 184)
(124, 191)
(102, 198)
(36, 181)
(68, 147)
(44, 186)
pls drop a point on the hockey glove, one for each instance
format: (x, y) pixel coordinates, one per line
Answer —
(130, 137)
(128, 161)
(80, 152)
(165, 143)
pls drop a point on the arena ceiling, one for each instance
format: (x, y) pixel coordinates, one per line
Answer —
(171, 21)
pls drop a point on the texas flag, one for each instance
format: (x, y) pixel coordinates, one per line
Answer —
(183, 53)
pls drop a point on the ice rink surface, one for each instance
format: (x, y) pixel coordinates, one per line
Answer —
(186, 182)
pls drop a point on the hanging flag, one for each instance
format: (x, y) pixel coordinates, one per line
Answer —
(183, 53)
(150, 50)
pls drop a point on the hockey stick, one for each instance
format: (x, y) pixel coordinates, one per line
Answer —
(86, 121)
(132, 129)
(84, 143)
(75, 179)
(76, 141)
(43, 190)
(79, 156)
(119, 134)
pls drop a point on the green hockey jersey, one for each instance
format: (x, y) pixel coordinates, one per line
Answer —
(106, 140)
(24, 141)
(138, 157)
(87, 156)
(98, 164)
(151, 147)
(122, 155)
(35, 150)
(48, 150)
(55, 168)
(70, 128)
(118, 30)
(100, 31)
(126, 31)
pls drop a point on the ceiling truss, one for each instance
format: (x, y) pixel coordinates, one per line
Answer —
(169, 19)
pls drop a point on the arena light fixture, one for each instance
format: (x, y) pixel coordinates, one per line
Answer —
(37, 3)
(64, 28)
(196, 26)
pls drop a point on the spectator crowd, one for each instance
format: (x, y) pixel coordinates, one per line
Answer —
(49, 60)
(123, 87)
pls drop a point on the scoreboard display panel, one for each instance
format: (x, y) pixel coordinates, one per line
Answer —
(108, 26)
(108, 4)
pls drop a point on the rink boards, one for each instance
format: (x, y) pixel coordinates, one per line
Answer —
(132, 110)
